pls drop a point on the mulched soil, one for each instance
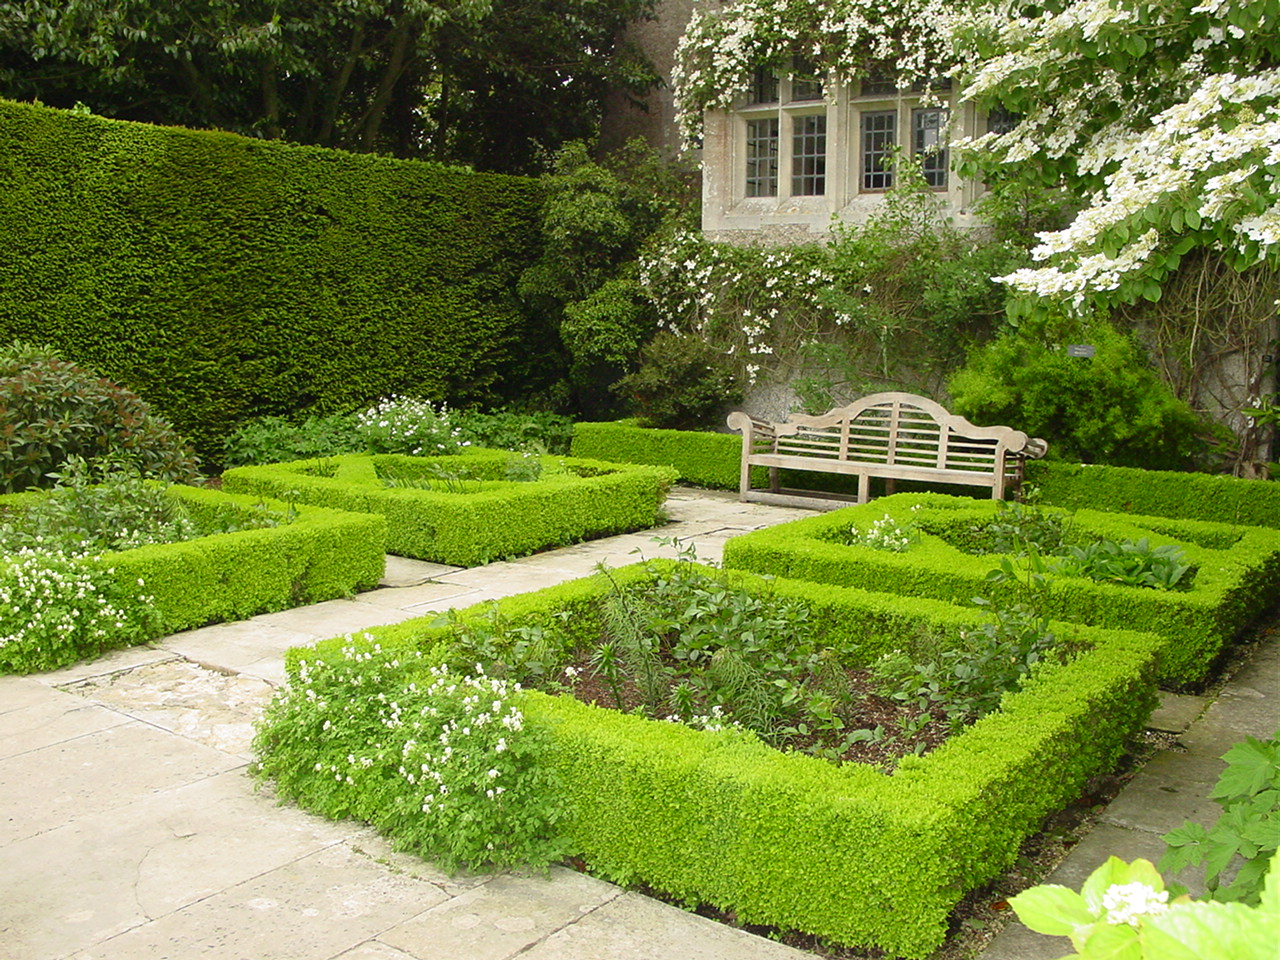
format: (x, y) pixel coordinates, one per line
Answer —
(872, 711)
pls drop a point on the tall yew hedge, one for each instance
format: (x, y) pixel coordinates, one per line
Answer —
(223, 277)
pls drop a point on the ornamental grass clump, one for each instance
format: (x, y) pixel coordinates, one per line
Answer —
(445, 764)
(409, 426)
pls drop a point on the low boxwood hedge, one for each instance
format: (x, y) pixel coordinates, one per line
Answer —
(470, 515)
(845, 852)
(318, 555)
(1237, 570)
(1160, 493)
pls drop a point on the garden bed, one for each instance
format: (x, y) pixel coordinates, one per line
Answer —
(471, 509)
(1235, 572)
(318, 554)
(844, 852)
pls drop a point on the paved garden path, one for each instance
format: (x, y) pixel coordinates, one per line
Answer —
(130, 829)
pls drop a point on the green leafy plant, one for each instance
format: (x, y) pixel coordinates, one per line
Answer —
(56, 608)
(1245, 836)
(1123, 912)
(109, 506)
(1134, 563)
(279, 440)
(443, 763)
(410, 426)
(52, 410)
(1018, 528)
(683, 383)
(508, 430)
(885, 534)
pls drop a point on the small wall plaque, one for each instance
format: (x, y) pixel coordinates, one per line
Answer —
(1080, 350)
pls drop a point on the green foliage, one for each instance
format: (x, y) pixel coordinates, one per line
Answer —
(445, 765)
(966, 680)
(279, 440)
(1133, 563)
(702, 458)
(226, 278)
(1237, 569)
(57, 608)
(481, 519)
(509, 430)
(409, 426)
(884, 534)
(683, 383)
(785, 839)
(1108, 408)
(492, 84)
(1245, 837)
(595, 219)
(1018, 528)
(1123, 911)
(53, 410)
(1165, 493)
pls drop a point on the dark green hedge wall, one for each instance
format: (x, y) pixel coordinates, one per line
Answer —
(223, 277)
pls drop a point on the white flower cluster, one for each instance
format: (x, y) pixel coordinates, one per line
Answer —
(474, 716)
(884, 534)
(51, 600)
(1167, 116)
(410, 426)
(715, 720)
(1126, 902)
(721, 47)
(756, 302)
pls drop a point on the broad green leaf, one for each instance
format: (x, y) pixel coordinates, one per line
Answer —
(1052, 909)
(1211, 931)
(1112, 941)
(1251, 766)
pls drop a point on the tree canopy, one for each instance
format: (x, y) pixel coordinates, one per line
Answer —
(1163, 116)
(494, 83)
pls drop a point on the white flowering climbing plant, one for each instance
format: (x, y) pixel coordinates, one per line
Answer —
(1162, 115)
(845, 39)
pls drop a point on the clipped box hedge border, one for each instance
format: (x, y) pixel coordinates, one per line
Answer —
(1164, 493)
(1233, 584)
(473, 528)
(321, 554)
(846, 853)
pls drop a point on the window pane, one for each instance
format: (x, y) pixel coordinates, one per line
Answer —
(809, 156)
(762, 158)
(764, 86)
(805, 83)
(926, 136)
(1001, 120)
(879, 136)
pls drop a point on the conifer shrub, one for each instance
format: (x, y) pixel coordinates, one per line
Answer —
(52, 410)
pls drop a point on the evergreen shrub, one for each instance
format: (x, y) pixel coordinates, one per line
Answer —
(847, 853)
(224, 278)
(52, 411)
(1236, 570)
(472, 508)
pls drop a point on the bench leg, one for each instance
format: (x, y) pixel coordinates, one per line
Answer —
(864, 488)
(744, 481)
(774, 485)
(890, 485)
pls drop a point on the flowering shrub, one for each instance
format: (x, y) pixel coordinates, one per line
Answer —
(444, 764)
(409, 426)
(1123, 910)
(56, 609)
(885, 534)
(1166, 116)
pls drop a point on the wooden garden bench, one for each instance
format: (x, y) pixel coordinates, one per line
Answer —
(893, 436)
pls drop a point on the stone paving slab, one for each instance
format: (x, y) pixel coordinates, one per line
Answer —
(501, 918)
(144, 860)
(56, 718)
(230, 646)
(46, 788)
(1176, 712)
(408, 572)
(212, 707)
(634, 927)
(312, 908)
